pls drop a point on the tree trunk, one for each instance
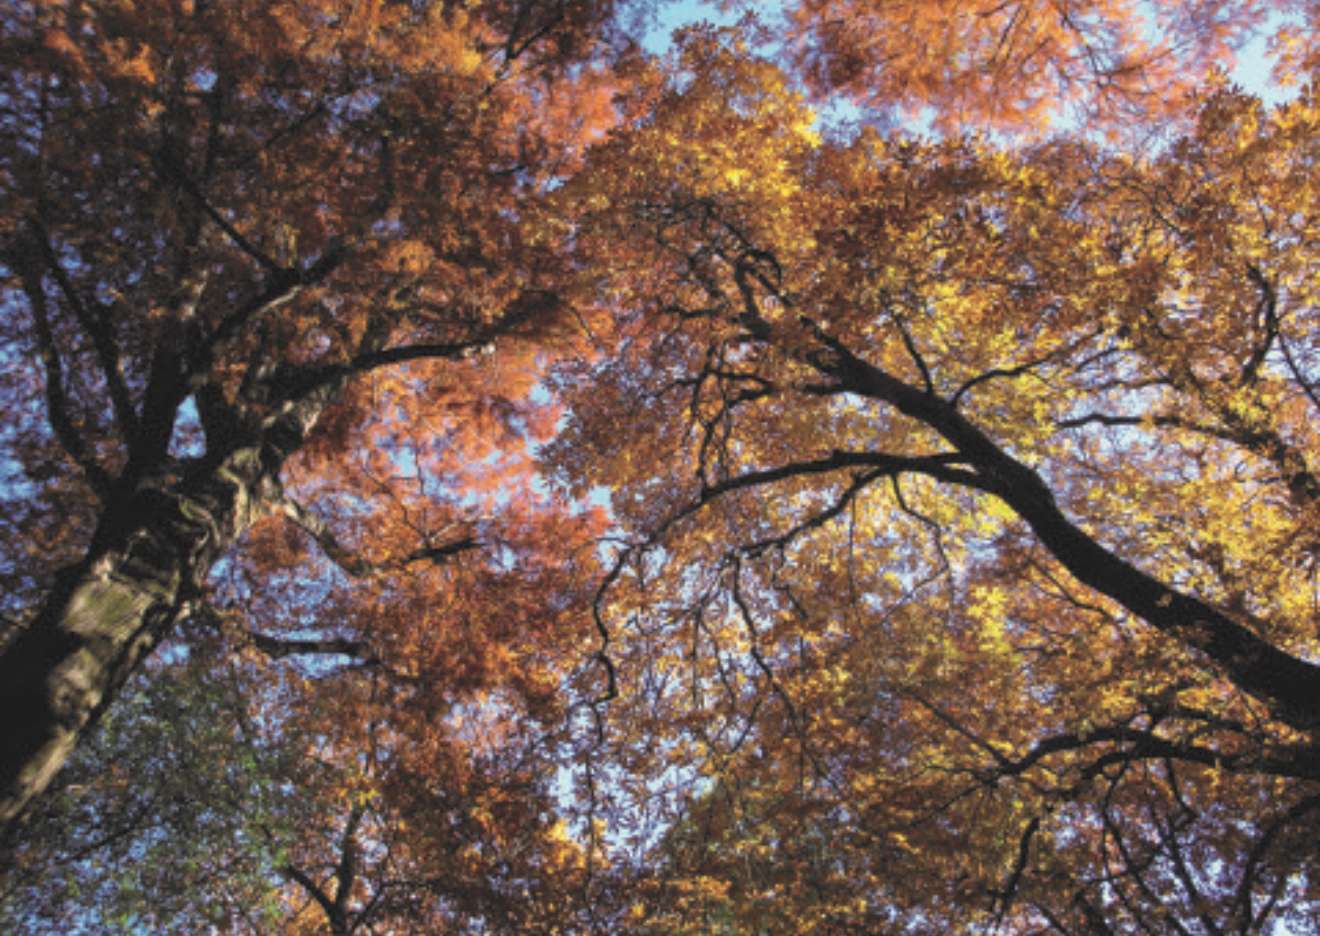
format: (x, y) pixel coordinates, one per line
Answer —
(152, 551)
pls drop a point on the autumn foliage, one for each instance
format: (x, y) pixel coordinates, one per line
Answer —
(468, 474)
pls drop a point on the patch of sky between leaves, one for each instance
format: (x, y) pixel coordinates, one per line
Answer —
(186, 441)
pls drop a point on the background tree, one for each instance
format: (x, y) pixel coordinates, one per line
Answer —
(981, 591)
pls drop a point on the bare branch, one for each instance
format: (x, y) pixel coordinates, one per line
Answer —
(354, 564)
(1250, 921)
(99, 330)
(280, 647)
(171, 171)
(57, 403)
(937, 465)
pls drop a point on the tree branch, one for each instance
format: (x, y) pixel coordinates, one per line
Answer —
(57, 403)
(280, 288)
(937, 465)
(346, 870)
(311, 887)
(171, 171)
(1249, 921)
(99, 330)
(1290, 686)
(350, 562)
(280, 647)
(1004, 897)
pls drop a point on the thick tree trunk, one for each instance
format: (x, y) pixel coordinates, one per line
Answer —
(153, 549)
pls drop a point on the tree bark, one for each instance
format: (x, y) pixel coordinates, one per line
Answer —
(151, 553)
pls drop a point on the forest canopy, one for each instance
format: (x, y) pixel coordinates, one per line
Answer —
(854, 470)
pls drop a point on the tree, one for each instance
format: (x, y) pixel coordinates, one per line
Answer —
(929, 604)
(981, 588)
(242, 245)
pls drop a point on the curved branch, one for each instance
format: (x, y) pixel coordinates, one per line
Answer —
(1299, 763)
(1004, 896)
(1290, 686)
(939, 465)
